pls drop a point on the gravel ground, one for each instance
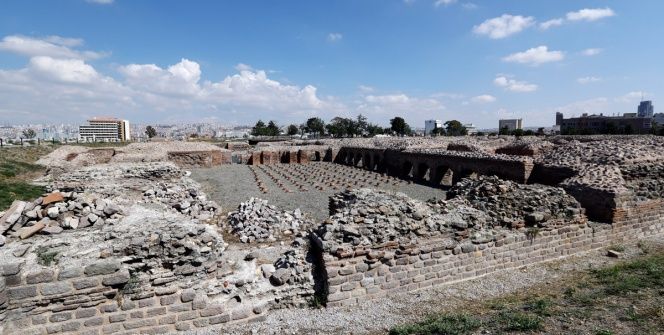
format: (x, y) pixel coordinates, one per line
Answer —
(229, 185)
(379, 315)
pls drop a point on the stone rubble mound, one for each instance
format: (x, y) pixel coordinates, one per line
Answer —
(369, 217)
(256, 221)
(646, 181)
(186, 200)
(514, 205)
(56, 212)
(290, 268)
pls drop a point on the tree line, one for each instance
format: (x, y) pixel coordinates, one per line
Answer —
(337, 127)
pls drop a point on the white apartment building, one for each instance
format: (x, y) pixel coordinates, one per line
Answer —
(510, 124)
(102, 129)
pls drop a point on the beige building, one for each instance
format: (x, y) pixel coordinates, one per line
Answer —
(104, 129)
(510, 124)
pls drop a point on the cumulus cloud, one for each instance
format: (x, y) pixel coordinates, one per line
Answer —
(551, 23)
(439, 3)
(588, 80)
(630, 97)
(366, 89)
(503, 26)
(334, 37)
(514, 85)
(52, 46)
(390, 105)
(591, 52)
(535, 56)
(483, 99)
(590, 14)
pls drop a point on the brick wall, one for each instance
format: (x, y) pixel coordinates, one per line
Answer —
(91, 300)
(367, 274)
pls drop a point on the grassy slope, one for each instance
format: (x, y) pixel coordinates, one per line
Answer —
(17, 169)
(627, 298)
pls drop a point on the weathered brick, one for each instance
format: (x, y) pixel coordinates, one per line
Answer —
(84, 283)
(183, 326)
(40, 276)
(180, 308)
(109, 308)
(92, 322)
(146, 303)
(60, 317)
(212, 310)
(117, 318)
(199, 302)
(137, 314)
(102, 267)
(140, 323)
(39, 319)
(201, 323)
(71, 326)
(112, 328)
(155, 311)
(56, 288)
(168, 319)
(70, 272)
(85, 313)
(241, 313)
(220, 319)
(168, 300)
(188, 295)
(118, 278)
(24, 292)
(186, 316)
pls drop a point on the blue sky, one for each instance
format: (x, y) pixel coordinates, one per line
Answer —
(235, 62)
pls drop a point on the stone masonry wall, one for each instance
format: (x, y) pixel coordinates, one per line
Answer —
(89, 301)
(377, 272)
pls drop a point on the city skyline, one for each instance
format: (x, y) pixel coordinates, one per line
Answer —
(474, 61)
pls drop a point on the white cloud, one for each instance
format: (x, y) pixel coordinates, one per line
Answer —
(64, 70)
(334, 37)
(589, 14)
(630, 97)
(503, 26)
(483, 99)
(591, 52)
(52, 46)
(551, 23)
(469, 6)
(514, 85)
(590, 106)
(366, 89)
(588, 80)
(439, 3)
(535, 56)
(101, 2)
(243, 67)
(384, 107)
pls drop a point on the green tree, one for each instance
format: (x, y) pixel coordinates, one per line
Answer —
(362, 125)
(29, 133)
(438, 132)
(504, 131)
(528, 133)
(540, 131)
(518, 132)
(316, 126)
(399, 126)
(272, 129)
(455, 128)
(342, 127)
(373, 129)
(259, 129)
(292, 130)
(150, 132)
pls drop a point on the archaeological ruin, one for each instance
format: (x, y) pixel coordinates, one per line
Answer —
(162, 237)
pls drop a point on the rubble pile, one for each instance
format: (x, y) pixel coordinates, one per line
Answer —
(290, 268)
(645, 181)
(186, 200)
(604, 150)
(56, 212)
(256, 221)
(367, 217)
(514, 205)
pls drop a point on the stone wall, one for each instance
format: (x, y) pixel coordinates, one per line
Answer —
(200, 158)
(92, 300)
(370, 273)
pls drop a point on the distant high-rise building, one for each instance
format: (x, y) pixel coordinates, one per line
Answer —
(105, 129)
(510, 124)
(430, 125)
(646, 109)
(559, 118)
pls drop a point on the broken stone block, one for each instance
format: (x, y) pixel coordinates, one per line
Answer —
(52, 198)
(26, 232)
